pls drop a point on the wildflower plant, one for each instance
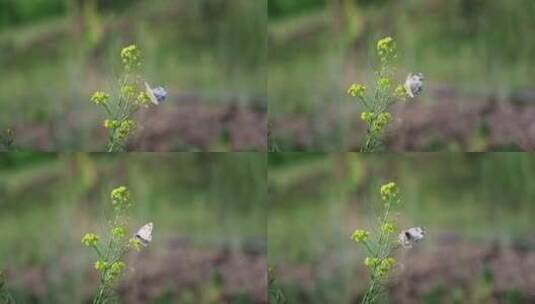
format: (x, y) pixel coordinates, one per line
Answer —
(381, 245)
(133, 94)
(378, 101)
(111, 249)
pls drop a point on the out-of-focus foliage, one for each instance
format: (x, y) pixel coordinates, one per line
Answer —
(278, 8)
(18, 12)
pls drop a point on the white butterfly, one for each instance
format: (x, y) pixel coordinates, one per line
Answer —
(144, 234)
(156, 95)
(410, 236)
(414, 84)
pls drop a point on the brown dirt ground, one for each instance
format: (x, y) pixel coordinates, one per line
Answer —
(204, 274)
(181, 267)
(453, 266)
(201, 126)
(184, 124)
(439, 120)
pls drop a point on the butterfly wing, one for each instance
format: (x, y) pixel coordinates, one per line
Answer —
(153, 98)
(404, 239)
(410, 236)
(417, 233)
(144, 234)
(408, 86)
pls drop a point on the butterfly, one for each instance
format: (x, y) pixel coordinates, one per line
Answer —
(144, 234)
(156, 95)
(410, 236)
(414, 84)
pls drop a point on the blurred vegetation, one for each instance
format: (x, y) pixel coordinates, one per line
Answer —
(317, 200)
(55, 54)
(48, 201)
(13, 12)
(279, 8)
(318, 48)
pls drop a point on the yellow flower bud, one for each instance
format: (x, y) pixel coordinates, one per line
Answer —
(115, 270)
(360, 236)
(386, 48)
(90, 239)
(118, 232)
(388, 228)
(128, 91)
(120, 198)
(371, 262)
(134, 244)
(384, 83)
(131, 57)
(366, 116)
(400, 92)
(389, 191)
(356, 90)
(101, 265)
(100, 98)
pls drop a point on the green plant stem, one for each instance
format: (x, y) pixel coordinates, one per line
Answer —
(111, 146)
(368, 143)
(370, 251)
(98, 251)
(382, 252)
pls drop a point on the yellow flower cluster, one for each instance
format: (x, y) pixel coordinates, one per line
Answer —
(115, 270)
(131, 57)
(371, 262)
(380, 266)
(118, 232)
(101, 265)
(360, 236)
(112, 271)
(125, 128)
(143, 99)
(382, 120)
(385, 266)
(100, 98)
(366, 116)
(386, 48)
(400, 92)
(120, 198)
(128, 91)
(377, 123)
(356, 90)
(388, 228)
(90, 239)
(384, 84)
(134, 244)
(111, 124)
(389, 191)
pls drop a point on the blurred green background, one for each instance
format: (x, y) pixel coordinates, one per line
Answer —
(209, 214)
(209, 54)
(477, 209)
(476, 55)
